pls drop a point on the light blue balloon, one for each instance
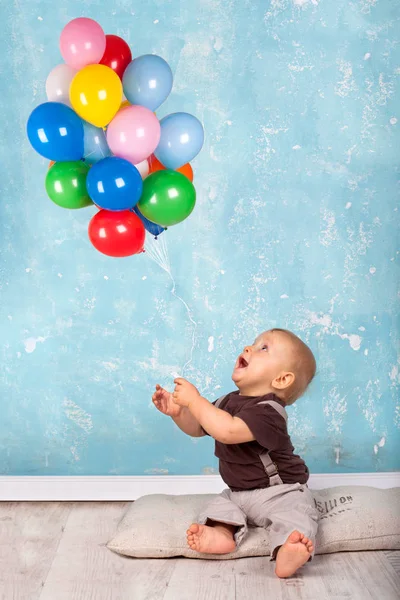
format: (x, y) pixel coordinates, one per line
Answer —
(94, 143)
(147, 81)
(182, 138)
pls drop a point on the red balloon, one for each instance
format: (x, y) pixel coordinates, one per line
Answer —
(117, 233)
(117, 54)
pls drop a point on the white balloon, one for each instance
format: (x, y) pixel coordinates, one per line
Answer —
(143, 168)
(58, 82)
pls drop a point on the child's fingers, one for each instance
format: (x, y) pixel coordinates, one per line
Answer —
(159, 406)
(160, 399)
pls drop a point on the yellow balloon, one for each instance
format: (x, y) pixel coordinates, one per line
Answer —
(96, 94)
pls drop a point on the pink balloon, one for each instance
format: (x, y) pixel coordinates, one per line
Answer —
(82, 43)
(134, 133)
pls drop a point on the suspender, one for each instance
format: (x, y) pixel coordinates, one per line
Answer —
(219, 401)
(270, 467)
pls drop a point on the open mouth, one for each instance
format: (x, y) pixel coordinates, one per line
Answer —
(242, 363)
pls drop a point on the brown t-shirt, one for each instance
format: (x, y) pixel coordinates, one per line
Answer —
(240, 465)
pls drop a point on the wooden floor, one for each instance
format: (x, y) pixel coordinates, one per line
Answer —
(56, 551)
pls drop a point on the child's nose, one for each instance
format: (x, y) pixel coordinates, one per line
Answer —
(247, 349)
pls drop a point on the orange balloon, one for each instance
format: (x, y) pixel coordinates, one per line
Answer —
(155, 166)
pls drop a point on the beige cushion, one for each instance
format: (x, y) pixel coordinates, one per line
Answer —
(352, 518)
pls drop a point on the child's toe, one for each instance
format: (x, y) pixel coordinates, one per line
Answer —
(305, 540)
(294, 537)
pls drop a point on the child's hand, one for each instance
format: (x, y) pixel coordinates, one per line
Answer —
(163, 401)
(185, 393)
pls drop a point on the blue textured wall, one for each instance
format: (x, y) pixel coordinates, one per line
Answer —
(295, 226)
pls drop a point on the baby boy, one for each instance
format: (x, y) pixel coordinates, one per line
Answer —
(267, 481)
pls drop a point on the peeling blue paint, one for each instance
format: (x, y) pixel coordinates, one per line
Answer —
(296, 226)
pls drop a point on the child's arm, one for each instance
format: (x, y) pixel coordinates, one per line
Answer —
(188, 423)
(181, 415)
(218, 423)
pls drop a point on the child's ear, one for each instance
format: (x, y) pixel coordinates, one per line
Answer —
(284, 380)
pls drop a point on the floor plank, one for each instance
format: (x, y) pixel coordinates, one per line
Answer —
(202, 580)
(393, 557)
(57, 551)
(358, 576)
(376, 573)
(84, 569)
(29, 536)
(255, 578)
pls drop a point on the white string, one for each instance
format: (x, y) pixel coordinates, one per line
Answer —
(94, 152)
(190, 318)
(157, 250)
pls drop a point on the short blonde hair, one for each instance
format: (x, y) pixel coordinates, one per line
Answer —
(304, 367)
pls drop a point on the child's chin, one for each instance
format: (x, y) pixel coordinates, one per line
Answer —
(236, 375)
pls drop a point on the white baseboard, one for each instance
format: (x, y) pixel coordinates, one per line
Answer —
(109, 488)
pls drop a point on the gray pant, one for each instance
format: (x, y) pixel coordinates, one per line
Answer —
(283, 508)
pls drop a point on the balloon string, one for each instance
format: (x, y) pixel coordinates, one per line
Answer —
(190, 318)
(157, 250)
(94, 152)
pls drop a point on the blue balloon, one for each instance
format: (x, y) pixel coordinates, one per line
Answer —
(95, 145)
(151, 227)
(182, 138)
(147, 81)
(56, 132)
(114, 184)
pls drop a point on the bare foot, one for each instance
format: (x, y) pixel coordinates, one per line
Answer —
(293, 554)
(211, 540)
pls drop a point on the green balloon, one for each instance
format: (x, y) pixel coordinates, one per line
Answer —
(66, 184)
(168, 198)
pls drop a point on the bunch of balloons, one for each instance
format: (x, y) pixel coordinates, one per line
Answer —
(110, 151)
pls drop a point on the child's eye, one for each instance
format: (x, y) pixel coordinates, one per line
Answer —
(264, 347)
